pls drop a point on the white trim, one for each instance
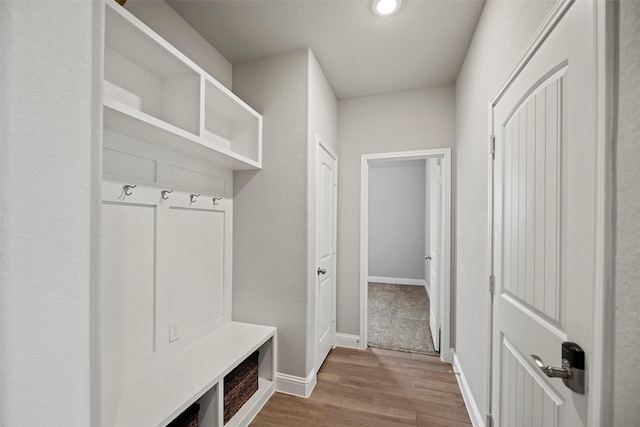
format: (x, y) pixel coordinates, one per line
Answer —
(320, 140)
(397, 281)
(600, 410)
(432, 321)
(364, 252)
(347, 341)
(600, 384)
(445, 300)
(555, 15)
(477, 420)
(297, 386)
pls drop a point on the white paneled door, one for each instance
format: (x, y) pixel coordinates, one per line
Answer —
(544, 222)
(325, 254)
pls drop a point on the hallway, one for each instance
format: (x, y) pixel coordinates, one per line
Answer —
(373, 388)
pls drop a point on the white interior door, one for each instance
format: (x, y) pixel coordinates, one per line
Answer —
(325, 255)
(544, 222)
(434, 253)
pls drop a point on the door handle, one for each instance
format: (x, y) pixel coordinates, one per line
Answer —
(550, 371)
(428, 258)
(322, 271)
(572, 370)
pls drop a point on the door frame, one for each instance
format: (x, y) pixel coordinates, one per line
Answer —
(321, 144)
(445, 310)
(600, 387)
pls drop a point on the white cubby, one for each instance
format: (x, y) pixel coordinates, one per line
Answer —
(230, 125)
(171, 126)
(154, 93)
(140, 75)
(165, 389)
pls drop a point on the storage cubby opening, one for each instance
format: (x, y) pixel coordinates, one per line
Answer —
(208, 416)
(265, 386)
(228, 124)
(265, 361)
(142, 75)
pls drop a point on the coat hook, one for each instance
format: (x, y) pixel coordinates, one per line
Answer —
(164, 194)
(128, 187)
(193, 197)
(216, 200)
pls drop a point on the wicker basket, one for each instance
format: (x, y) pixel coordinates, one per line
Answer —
(189, 418)
(239, 385)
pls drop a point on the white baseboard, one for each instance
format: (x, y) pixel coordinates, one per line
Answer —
(472, 407)
(348, 341)
(297, 386)
(397, 281)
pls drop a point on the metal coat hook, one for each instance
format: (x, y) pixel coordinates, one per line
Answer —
(216, 201)
(192, 197)
(164, 194)
(128, 187)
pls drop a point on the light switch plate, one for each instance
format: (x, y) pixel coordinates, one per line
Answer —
(174, 334)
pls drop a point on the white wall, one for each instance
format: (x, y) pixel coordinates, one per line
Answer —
(502, 33)
(165, 21)
(400, 121)
(270, 207)
(397, 219)
(322, 120)
(50, 126)
(627, 235)
(274, 208)
(323, 106)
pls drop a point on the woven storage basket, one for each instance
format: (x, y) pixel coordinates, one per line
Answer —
(189, 418)
(239, 385)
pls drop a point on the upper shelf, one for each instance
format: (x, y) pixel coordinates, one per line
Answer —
(154, 93)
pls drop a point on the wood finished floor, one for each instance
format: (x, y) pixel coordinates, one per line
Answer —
(373, 388)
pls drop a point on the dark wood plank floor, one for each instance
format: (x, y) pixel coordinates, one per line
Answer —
(373, 388)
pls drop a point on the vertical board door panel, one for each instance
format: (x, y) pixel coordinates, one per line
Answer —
(128, 277)
(531, 399)
(532, 220)
(195, 275)
(544, 222)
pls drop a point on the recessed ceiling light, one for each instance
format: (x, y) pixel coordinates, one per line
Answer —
(385, 7)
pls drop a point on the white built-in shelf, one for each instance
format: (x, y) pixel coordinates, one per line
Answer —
(162, 391)
(154, 93)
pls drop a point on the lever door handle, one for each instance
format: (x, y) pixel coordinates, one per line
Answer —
(572, 371)
(428, 258)
(322, 271)
(551, 372)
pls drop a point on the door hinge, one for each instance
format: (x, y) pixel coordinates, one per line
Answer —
(492, 281)
(492, 145)
(489, 420)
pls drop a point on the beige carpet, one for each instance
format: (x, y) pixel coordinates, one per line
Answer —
(398, 318)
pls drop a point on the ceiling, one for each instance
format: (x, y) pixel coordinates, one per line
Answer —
(423, 44)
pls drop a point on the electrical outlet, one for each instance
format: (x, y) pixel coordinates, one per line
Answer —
(174, 334)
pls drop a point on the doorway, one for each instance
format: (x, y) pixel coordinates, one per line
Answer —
(325, 254)
(421, 262)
